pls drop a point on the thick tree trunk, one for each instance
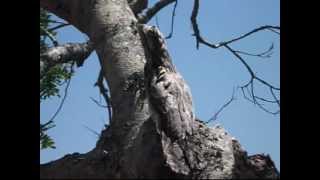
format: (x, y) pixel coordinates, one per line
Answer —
(141, 141)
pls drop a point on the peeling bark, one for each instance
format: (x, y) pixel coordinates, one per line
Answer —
(153, 133)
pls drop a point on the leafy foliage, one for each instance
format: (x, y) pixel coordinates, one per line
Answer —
(54, 77)
(45, 32)
(45, 140)
(49, 85)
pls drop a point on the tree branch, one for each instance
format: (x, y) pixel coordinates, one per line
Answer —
(215, 116)
(226, 44)
(68, 52)
(93, 131)
(265, 54)
(251, 83)
(59, 26)
(49, 34)
(98, 103)
(172, 20)
(144, 18)
(64, 97)
(200, 39)
(104, 91)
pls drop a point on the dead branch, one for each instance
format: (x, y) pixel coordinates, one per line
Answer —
(215, 116)
(265, 54)
(104, 92)
(91, 130)
(98, 103)
(172, 20)
(200, 39)
(250, 85)
(59, 26)
(150, 12)
(64, 97)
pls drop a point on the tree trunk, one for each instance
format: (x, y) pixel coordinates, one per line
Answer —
(146, 137)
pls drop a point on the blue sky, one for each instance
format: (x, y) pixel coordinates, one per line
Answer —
(211, 74)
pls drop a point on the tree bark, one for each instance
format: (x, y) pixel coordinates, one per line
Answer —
(142, 141)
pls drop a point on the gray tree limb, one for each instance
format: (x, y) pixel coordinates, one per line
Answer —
(150, 12)
(68, 52)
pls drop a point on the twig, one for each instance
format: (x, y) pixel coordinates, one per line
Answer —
(150, 12)
(51, 37)
(54, 21)
(95, 101)
(93, 131)
(226, 44)
(64, 97)
(265, 54)
(215, 116)
(104, 93)
(199, 38)
(172, 19)
(58, 26)
(274, 31)
(274, 96)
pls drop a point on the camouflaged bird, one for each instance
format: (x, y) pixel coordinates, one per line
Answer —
(169, 96)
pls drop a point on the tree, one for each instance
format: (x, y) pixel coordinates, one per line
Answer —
(149, 136)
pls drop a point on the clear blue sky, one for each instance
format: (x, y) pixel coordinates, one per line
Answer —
(211, 74)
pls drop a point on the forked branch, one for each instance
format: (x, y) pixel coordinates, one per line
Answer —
(250, 85)
(150, 12)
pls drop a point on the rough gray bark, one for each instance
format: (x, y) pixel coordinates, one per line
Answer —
(153, 131)
(68, 52)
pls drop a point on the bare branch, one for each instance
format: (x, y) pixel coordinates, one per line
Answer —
(274, 31)
(51, 37)
(55, 22)
(267, 27)
(251, 82)
(254, 99)
(99, 104)
(266, 100)
(242, 61)
(68, 52)
(91, 130)
(265, 54)
(215, 116)
(275, 97)
(104, 91)
(64, 97)
(244, 94)
(59, 26)
(172, 19)
(150, 12)
(199, 38)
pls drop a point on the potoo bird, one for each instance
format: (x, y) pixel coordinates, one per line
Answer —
(169, 95)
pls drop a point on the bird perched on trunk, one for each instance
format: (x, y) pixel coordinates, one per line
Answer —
(169, 95)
